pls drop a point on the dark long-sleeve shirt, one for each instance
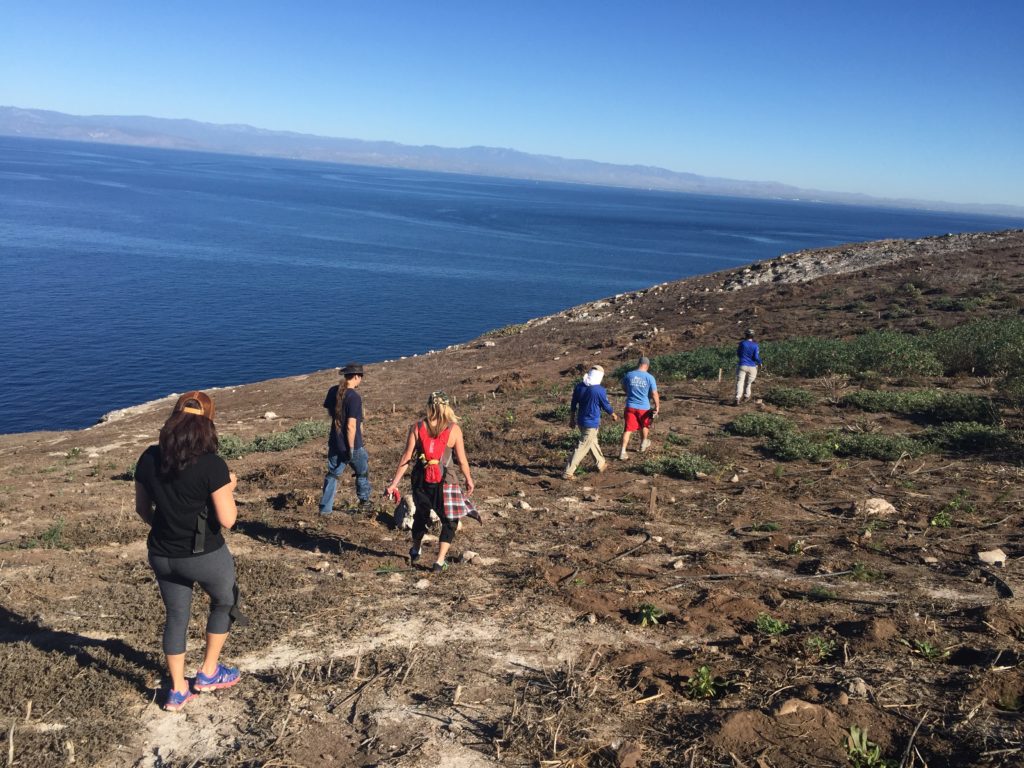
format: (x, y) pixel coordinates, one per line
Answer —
(587, 404)
(748, 353)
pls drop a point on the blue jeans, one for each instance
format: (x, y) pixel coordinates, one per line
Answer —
(360, 463)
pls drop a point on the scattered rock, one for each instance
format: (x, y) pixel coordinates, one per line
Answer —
(993, 557)
(469, 556)
(269, 416)
(322, 566)
(628, 755)
(929, 559)
(875, 507)
(734, 479)
(488, 344)
(422, 583)
(790, 706)
(843, 699)
(523, 504)
(395, 578)
(858, 688)
(485, 561)
(590, 497)
(678, 564)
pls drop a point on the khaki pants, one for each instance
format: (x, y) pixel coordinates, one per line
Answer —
(588, 442)
(745, 375)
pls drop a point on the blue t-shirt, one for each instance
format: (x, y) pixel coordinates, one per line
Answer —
(587, 404)
(638, 386)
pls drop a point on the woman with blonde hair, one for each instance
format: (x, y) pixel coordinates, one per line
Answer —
(185, 493)
(432, 441)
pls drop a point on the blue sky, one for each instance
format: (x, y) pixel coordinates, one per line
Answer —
(897, 99)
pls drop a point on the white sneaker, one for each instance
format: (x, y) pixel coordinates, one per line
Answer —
(623, 456)
(644, 446)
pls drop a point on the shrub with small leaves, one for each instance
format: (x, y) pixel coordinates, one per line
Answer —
(684, 465)
(759, 425)
(789, 397)
(767, 625)
(820, 647)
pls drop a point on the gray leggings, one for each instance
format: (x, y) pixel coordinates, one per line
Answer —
(215, 572)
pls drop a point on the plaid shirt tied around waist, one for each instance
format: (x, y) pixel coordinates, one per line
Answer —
(456, 505)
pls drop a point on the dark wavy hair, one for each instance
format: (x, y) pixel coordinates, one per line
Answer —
(185, 437)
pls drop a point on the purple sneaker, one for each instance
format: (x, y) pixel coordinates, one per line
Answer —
(176, 700)
(224, 677)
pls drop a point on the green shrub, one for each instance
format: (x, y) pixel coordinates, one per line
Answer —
(789, 397)
(961, 406)
(971, 437)
(904, 402)
(984, 348)
(610, 434)
(684, 465)
(759, 425)
(927, 404)
(703, 363)
(233, 447)
(878, 445)
(795, 446)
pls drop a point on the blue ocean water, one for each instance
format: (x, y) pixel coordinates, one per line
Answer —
(129, 273)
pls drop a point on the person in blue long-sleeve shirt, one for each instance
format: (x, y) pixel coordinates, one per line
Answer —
(589, 398)
(749, 358)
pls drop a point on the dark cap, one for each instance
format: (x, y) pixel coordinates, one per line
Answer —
(749, 333)
(352, 369)
(197, 403)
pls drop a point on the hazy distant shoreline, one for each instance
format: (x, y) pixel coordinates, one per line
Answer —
(247, 140)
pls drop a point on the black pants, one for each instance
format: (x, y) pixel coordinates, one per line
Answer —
(429, 496)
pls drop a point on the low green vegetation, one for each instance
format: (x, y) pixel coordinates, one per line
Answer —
(759, 425)
(772, 627)
(51, 538)
(926, 404)
(704, 685)
(926, 649)
(789, 397)
(864, 753)
(820, 647)
(648, 615)
(684, 465)
(982, 348)
(234, 447)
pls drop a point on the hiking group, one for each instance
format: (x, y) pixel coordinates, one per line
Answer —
(184, 492)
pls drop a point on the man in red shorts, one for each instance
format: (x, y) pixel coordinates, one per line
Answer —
(640, 388)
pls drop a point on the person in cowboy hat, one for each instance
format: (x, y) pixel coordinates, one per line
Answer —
(345, 441)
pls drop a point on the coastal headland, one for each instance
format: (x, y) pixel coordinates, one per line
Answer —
(828, 573)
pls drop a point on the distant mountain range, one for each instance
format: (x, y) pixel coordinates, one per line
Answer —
(481, 161)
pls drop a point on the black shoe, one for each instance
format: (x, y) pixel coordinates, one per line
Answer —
(414, 555)
(365, 506)
(439, 567)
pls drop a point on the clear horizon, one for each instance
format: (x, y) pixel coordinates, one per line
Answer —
(920, 100)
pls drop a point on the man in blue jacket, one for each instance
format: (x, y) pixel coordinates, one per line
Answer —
(749, 358)
(589, 398)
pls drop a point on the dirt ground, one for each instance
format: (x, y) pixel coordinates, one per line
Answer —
(530, 652)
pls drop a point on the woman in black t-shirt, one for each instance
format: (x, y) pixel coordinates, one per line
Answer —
(185, 493)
